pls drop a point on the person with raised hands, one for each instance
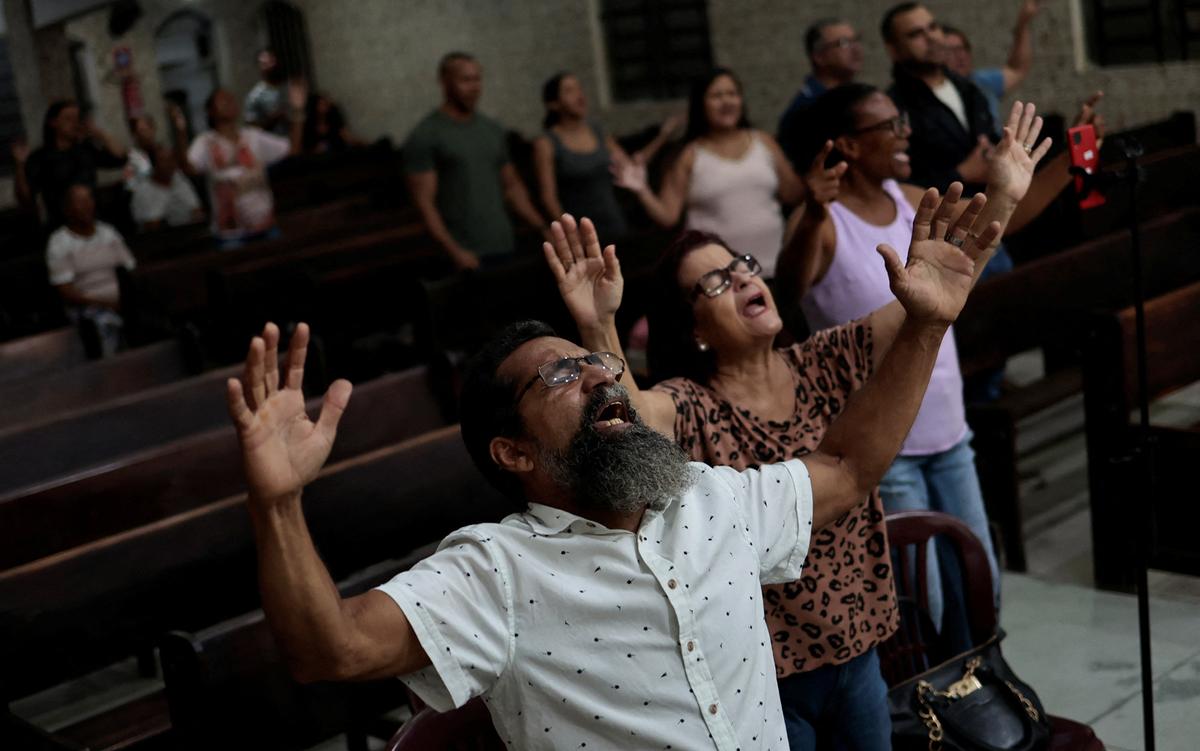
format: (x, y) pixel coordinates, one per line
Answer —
(835, 282)
(738, 401)
(669, 554)
(730, 178)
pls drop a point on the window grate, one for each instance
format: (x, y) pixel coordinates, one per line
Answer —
(656, 48)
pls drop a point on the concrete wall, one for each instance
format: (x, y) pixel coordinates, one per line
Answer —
(377, 57)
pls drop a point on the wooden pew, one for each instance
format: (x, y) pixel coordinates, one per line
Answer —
(1178, 129)
(40, 354)
(48, 394)
(158, 296)
(187, 473)
(1045, 302)
(1118, 491)
(28, 304)
(228, 685)
(462, 311)
(302, 181)
(37, 451)
(70, 613)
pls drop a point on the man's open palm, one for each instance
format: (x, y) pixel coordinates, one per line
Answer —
(282, 449)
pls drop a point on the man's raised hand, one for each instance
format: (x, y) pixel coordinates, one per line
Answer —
(589, 279)
(282, 449)
(934, 284)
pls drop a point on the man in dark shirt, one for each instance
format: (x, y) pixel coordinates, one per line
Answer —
(835, 50)
(952, 126)
(460, 175)
(72, 150)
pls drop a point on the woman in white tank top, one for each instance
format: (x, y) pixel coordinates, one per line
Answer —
(731, 178)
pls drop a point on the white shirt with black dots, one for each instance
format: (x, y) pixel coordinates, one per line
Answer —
(580, 636)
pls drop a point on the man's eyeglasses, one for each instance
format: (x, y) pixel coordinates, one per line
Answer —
(842, 43)
(718, 280)
(898, 125)
(567, 369)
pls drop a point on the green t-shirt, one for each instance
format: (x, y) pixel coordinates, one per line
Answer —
(470, 196)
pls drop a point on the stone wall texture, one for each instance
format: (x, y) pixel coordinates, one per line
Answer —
(378, 57)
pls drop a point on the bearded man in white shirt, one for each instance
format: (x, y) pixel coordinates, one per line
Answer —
(623, 606)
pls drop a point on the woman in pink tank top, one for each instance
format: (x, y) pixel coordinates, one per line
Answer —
(731, 178)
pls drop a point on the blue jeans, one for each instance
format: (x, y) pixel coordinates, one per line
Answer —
(838, 707)
(944, 482)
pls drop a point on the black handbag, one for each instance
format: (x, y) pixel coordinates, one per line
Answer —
(972, 702)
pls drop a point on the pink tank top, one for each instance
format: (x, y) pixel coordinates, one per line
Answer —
(856, 284)
(736, 198)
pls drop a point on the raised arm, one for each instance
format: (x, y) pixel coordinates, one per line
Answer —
(862, 443)
(810, 240)
(22, 190)
(1051, 180)
(645, 154)
(590, 282)
(321, 635)
(665, 208)
(543, 167)
(1020, 57)
(1010, 172)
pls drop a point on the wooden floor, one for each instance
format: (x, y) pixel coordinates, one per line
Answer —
(1077, 646)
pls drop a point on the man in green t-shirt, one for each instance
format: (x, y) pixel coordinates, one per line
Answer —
(459, 172)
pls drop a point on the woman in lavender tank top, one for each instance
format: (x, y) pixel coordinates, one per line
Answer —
(828, 265)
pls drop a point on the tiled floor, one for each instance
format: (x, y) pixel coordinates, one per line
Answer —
(1079, 646)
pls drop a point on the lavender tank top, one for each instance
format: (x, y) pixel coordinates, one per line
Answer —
(736, 198)
(856, 284)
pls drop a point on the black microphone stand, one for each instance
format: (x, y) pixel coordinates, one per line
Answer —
(1141, 452)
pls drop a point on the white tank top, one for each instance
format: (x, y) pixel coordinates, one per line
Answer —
(736, 199)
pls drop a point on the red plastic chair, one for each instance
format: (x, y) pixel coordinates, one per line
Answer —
(909, 651)
(468, 728)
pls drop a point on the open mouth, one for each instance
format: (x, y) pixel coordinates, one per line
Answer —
(755, 306)
(612, 414)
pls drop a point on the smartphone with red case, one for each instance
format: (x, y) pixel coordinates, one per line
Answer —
(1082, 142)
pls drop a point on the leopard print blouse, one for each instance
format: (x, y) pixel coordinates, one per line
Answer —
(845, 603)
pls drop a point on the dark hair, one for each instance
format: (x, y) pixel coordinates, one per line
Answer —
(832, 115)
(812, 37)
(488, 403)
(52, 112)
(672, 351)
(334, 121)
(951, 30)
(450, 58)
(550, 93)
(889, 18)
(697, 121)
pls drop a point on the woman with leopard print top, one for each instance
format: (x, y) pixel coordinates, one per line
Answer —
(733, 398)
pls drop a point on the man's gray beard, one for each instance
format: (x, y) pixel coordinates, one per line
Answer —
(635, 468)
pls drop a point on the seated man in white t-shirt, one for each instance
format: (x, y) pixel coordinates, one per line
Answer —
(234, 158)
(82, 258)
(165, 196)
